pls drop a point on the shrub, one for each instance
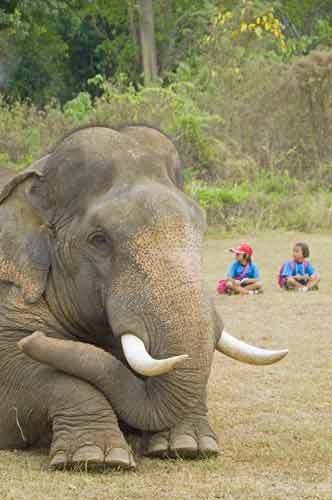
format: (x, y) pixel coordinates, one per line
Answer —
(79, 107)
(211, 197)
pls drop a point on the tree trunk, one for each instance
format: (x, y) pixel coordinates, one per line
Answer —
(168, 41)
(148, 43)
(133, 29)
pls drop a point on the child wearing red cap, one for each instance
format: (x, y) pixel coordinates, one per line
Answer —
(243, 276)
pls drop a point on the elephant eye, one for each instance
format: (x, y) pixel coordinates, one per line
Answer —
(99, 241)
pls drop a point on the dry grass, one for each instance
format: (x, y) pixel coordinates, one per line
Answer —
(274, 423)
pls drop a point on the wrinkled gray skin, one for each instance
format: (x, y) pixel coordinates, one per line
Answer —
(98, 239)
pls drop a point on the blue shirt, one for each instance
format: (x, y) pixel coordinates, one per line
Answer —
(237, 268)
(299, 269)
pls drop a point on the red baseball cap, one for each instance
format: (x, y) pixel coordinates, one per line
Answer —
(243, 248)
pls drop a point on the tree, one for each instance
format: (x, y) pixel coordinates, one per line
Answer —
(148, 43)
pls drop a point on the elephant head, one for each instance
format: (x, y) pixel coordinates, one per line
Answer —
(101, 231)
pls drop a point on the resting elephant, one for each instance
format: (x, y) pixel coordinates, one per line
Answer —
(102, 290)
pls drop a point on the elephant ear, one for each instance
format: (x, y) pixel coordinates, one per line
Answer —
(24, 240)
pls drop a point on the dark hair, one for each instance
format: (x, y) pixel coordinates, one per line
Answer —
(247, 257)
(304, 247)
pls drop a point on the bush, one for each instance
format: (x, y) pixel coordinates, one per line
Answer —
(26, 133)
(255, 155)
(266, 203)
(211, 197)
(79, 107)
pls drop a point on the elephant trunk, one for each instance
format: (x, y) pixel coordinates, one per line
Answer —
(175, 322)
(137, 402)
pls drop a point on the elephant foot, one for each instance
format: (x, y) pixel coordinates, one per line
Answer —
(93, 457)
(190, 439)
(85, 429)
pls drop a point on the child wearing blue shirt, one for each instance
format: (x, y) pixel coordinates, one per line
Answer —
(243, 276)
(298, 273)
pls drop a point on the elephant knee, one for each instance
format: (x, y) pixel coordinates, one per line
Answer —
(77, 400)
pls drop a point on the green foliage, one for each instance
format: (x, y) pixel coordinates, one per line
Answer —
(251, 25)
(252, 119)
(78, 107)
(171, 108)
(272, 183)
(212, 197)
(37, 51)
(268, 199)
(26, 132)
(304, 15)
(269, 202)
(62, 44)
(56, 46)
(308, 25)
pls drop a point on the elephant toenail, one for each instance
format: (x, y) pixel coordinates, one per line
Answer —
(88, 454)
(121, 458)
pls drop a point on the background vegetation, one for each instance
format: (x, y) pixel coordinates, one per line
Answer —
(243, 87)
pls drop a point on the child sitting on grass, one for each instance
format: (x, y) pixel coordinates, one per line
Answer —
(298, 273)
(243, 275)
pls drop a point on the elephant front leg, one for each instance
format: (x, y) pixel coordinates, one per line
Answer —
(191, 438)
(84, 427)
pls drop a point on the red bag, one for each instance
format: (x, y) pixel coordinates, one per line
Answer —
(222, 286)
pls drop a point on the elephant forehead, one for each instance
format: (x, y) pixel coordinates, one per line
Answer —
(93, 157)
(106, 149)
(92, 160)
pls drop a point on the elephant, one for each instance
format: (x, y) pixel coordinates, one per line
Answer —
(105, 319)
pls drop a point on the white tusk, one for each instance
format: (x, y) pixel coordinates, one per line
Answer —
(247, 353)
(140, 360)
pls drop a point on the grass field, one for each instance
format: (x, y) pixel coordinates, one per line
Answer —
(274, 423)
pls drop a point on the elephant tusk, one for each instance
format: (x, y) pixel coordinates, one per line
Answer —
(140, 360)
(247, 353)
